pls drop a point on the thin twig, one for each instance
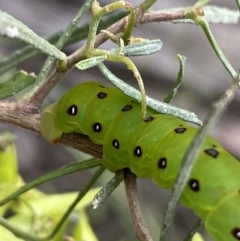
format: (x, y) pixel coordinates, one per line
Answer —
(77, 56)
(161, 16)
(107, 190)
(193, 230)
(80, 33)
(205, 26)
(131, 189)
(61, 42)
(81, 194)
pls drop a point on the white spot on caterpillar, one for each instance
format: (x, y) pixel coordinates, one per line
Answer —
(138, 151)
(73, 110)
(115, 143)
(97, 127)
(163, 163)
(194, 185)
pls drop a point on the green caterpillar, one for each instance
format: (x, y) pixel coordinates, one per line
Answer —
(153, 147)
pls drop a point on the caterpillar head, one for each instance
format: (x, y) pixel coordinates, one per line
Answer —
(61, 117)
(65, 115)
(48, 126)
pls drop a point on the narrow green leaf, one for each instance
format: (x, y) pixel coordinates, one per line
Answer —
(156, 105)
(79, 34)
(19, 81)
(90, 62)
(12, 28)
(49, 204)
(179, 79)
(193, 235)
(107, 189)
(63, 171)
(79, 197)
(145, 47)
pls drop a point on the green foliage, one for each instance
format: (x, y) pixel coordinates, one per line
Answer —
(19, 81)
(38, 216)
(36, 212)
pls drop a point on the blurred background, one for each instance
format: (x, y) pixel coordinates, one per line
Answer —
(205, 79)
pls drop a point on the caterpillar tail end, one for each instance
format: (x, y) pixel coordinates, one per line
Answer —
(48, 125)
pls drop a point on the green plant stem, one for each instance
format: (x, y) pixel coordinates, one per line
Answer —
(128, 31)
(29, 237)
(107, 189)
(205, 26)
(193, 230)
(98, 12)
(119, 57)
(137, 75)
(79, 34)
(76, 201)
(72, 26)
(147, 4)
(63, 171)
(50, 60)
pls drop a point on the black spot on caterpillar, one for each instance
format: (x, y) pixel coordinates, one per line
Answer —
(162, 163)
(180, 130)
(101, 95)
(212, 152)
(127, 108)
(72, 110)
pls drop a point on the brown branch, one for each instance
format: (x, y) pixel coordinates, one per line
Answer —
(26, 114)
(150, 17)
(28, 117)
(141, 230)
(72, 59)
(58, 74)
(43, 90)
